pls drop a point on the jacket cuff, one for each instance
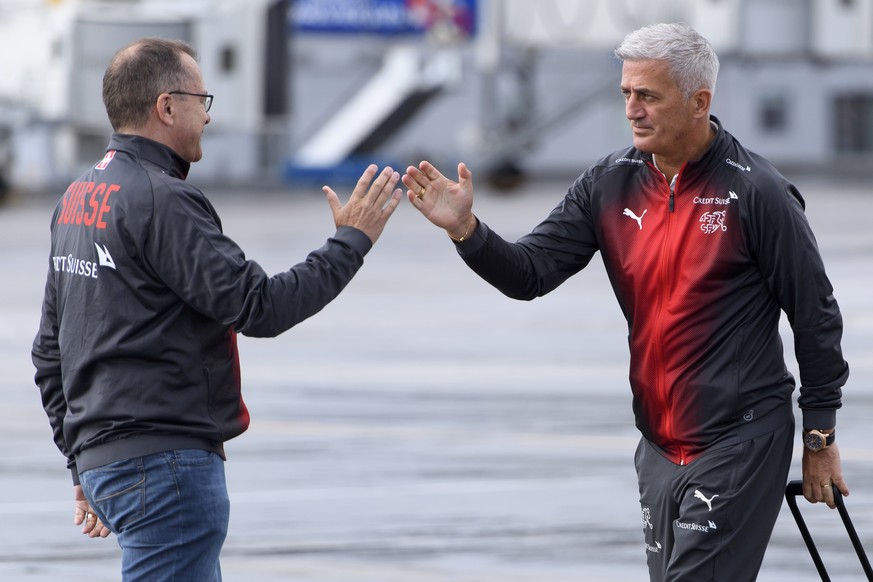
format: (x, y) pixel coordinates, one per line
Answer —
(819, 419)
(475, 241)
(355, 238)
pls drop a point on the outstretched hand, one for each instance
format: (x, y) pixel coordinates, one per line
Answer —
(447, 204)
(85, 516)
(371, 204)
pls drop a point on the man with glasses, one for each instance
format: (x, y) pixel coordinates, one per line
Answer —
(136, 356)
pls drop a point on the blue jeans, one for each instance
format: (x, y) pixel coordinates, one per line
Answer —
(169, 511)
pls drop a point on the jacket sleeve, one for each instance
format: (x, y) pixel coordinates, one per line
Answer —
(793, 269)
(208, 270)
(559, 247)
(46, 357)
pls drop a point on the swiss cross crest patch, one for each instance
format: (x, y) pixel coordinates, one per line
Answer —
(711, 222)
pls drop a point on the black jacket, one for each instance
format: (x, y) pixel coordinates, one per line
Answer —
(701, 273)
(136, 351)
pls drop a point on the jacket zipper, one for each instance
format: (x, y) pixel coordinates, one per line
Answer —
(661, 381)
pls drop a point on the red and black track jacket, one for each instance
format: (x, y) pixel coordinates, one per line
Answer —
(136, 351)
(701, 273)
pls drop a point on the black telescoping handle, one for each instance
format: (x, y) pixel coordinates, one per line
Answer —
(795, 490)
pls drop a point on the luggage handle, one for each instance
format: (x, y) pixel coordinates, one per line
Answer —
(793, 490)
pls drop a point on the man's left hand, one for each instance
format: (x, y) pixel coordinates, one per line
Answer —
(820, 470)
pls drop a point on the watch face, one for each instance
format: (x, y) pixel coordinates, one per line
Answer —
(813, 441)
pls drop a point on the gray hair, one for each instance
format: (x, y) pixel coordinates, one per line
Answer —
(692, 61)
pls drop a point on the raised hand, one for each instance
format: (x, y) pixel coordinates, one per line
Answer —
(371, 204)
(447, 204)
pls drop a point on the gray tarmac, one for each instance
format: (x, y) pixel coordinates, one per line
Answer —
(423, 427)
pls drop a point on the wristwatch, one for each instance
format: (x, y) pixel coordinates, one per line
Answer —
(816, 440)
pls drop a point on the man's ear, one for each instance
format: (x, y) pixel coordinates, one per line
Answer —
(702, 100)
(164, 108)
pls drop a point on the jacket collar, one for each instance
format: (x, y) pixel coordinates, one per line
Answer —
(720, 141)
(716, 152)
(151, 153)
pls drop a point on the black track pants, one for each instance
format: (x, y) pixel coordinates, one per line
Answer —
(711, 520)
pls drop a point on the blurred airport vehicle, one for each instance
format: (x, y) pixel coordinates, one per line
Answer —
(61, 48)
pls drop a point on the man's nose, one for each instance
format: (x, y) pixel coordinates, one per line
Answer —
(633, 109)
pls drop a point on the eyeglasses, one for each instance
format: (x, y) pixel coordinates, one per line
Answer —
(207, 99)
